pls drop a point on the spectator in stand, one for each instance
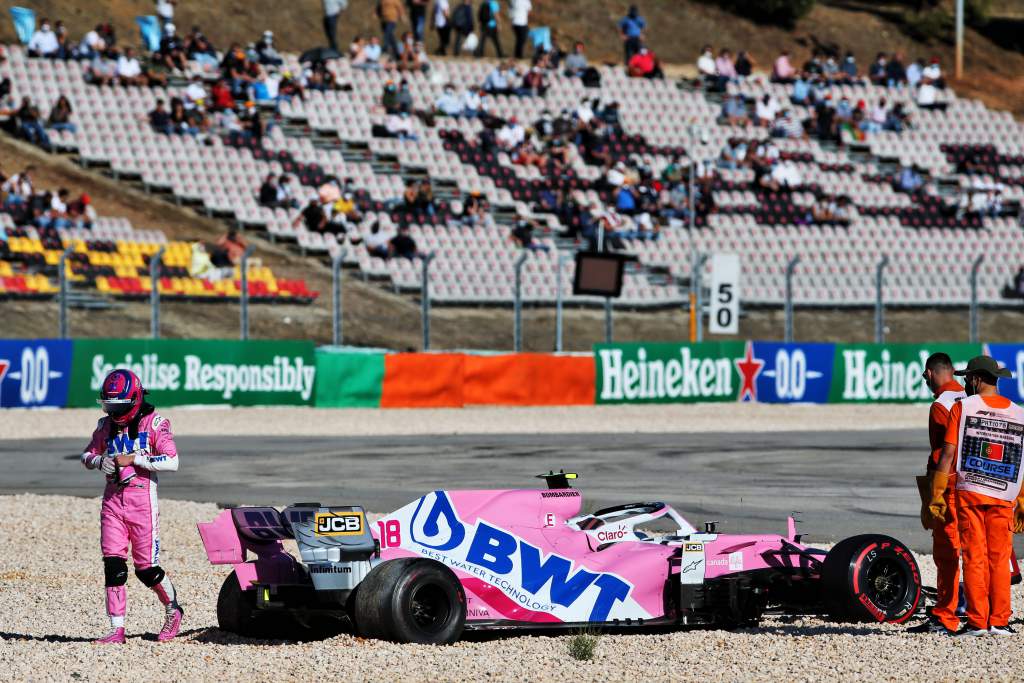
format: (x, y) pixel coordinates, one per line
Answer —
(403, 245)
(877, 71)
(377, 242)
(109, 36)
(60, 116)
(909, 180)
(221, 97)
(268, 195)
(895, 73)
(848, 69)
(80, 212)
(199, 49)
(645, 64)
(462, 22)
(815, 66)
(787, 125)
(332, 10)
(92, 44)
(876, 118)
(44, 42)
(313, 217)
(576, 63)
(165, 10)
(236, 70)
(519, 12)
(765, 110)
(417, 11)
(160, 119)
(474, 210)
(744, 64)
(734, 112)
(488, 16)
(267, 51)
(129, 71)
(511, 135)
(64, 48)
(933, 72)
(801, 90)
(631, 30)
(30, 124)
(830, 70)
(914, 73)
(448, 103)
(473, 103)
(522, 235)
(345, 208)
(180, 122)
(734, 154)
(897, 119)
(399, 125)
(499, 81)
(534, 84)
(201, 265)
(706, 65)
(443, 26)
(414, 56)
(195, 93)
(370, 55)
(390, 12)
(726, 70)
(928, 96)
(172, 50)
(782, 69)
(233, 245)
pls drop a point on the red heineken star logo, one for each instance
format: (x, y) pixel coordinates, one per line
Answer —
(749, 368)
(4, 365)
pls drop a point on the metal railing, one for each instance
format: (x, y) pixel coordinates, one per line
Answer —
(425, 299)
(517, 304)
(63, 285)
(336, 308)
(879, 300)
(243, 313)
(790, 270)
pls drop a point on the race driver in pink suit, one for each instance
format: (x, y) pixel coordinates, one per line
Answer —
(130, 446)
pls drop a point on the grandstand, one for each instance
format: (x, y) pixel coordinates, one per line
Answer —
(331, 133)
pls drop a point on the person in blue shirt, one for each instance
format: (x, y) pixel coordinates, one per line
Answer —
(487, 17)
(631, 28)
(801, 89)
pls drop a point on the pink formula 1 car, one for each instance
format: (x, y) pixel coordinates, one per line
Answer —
(457, 560)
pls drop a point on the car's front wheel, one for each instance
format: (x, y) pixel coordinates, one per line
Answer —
(411, 600)
(871, 578)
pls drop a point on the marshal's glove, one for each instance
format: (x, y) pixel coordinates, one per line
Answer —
(107, 465)
(924, 490)
(1018, 515)
(937, 506)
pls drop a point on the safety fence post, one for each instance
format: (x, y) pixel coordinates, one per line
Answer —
(879, 302)
(517, 304)
(244, 301)
(696, 298)
(154, 292)
(425, 298)
(790, 269)
(562, 256)
(975, 267)
(607, 320)
(336, 336)
(62, 280)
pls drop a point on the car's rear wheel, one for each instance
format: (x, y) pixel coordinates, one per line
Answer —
(236, 609)
(411, 600)
(871, 578)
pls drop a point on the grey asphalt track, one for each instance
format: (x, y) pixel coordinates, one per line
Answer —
(840, 483)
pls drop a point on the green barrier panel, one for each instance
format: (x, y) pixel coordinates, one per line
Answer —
(348, 379)
(889, 372)
(193, 372)
(669, 372)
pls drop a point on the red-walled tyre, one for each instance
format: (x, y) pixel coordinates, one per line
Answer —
(871, 578)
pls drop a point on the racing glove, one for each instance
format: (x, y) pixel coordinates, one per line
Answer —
(107, 465)
(937, 505)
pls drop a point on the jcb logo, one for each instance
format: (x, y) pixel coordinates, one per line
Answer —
(338, 524)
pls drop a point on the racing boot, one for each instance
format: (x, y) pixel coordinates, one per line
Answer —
(116, 636)
(172, 622)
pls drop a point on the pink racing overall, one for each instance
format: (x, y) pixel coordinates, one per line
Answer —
(130, 514)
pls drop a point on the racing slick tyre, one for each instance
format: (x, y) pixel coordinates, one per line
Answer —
(236, 609)
(411, 600)
(871, 578)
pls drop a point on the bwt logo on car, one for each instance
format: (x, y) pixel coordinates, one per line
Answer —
(500, 558)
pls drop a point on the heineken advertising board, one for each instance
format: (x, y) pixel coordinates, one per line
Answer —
(890, 372)
(189, 372)
(773, 372)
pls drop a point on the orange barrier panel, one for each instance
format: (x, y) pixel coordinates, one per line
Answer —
(423, 380)
(529, 379)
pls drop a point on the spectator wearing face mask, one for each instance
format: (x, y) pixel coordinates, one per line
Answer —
(448, 102)
(44, 42)
(267, 52)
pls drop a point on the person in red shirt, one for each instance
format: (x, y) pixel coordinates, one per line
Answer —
(938, 374)
(644, 64)
(984, 443)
